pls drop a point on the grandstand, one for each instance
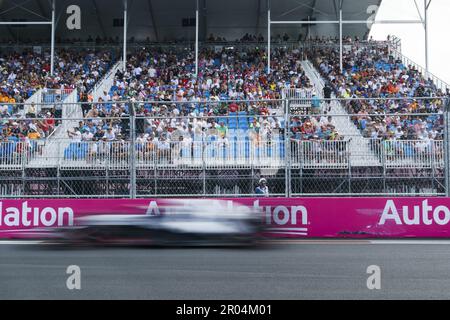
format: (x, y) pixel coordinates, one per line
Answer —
(208, 108)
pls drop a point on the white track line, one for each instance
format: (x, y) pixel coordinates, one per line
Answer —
(296, 242)
(10, 242)
(415, 241)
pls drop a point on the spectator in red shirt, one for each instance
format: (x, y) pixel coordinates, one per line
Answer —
(49, 122)
(233, 107)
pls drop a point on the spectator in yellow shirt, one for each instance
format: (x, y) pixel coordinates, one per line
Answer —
(33, 135)
(4, 99)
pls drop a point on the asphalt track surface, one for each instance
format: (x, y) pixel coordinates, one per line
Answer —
(283, 270)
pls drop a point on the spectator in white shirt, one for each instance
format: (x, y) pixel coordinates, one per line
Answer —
(75, 135)
(87, 135)
(110, 135)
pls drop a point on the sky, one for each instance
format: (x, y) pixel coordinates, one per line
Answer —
(413, 35)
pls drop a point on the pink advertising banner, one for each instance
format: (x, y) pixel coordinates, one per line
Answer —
(285, 217)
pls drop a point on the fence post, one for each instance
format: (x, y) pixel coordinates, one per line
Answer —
(432, 157)
(349, 167)
(446, 151)
(287, 151)
(132, 153)
(24, 161)
(58, 169)
(382, 147)
(204, 146)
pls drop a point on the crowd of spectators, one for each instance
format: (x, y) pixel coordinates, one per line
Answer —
(177, 112)
(79, 69)
(22, 74)
(371, 72)
(173, 105)
(24, 136)
(167, 78)
(314, 128)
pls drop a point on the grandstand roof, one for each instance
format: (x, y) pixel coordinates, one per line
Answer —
(162, 20)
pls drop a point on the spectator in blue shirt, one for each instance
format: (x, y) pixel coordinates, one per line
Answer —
(315, 104)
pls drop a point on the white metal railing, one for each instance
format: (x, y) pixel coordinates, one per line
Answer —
(72, 110)
(111, 154)
(51, 94)
(413, 153)
(218, 154)
(410, 153)
(298, 96)
(15, 155)
(396, 43)
(213, 154)
(12, 154)
(440, 84)
(252, 152)
(316, 78)
(46, 96)
(54, 143)
(106, 82)
(320, 154)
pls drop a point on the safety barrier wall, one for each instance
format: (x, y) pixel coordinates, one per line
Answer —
(232, 153)
(415, 154)
(301, 97)
(323, 154)
(284, 217)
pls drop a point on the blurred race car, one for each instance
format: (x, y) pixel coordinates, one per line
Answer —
(189, 223)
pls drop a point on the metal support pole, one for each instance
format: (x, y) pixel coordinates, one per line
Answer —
(204, 163)
(196, 41)
(268, 37)
(383, 162)
(58, 170)
(346, 22)
(349, 169)
(309, 28)
(433, 169)
(107, 166)
(287, 151)
(341, 66)
(27, 23)
(133, 154)
(155, 178)
(446, 152)
(24, 160)
(125, 31)
(425, 25)
(52, 53)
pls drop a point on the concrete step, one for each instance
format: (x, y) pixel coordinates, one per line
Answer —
(360, 152)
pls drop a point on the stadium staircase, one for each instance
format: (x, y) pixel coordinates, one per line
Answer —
(36, 98)
(360, 151)
(106, 83)
(48, 156)
(55, 146)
